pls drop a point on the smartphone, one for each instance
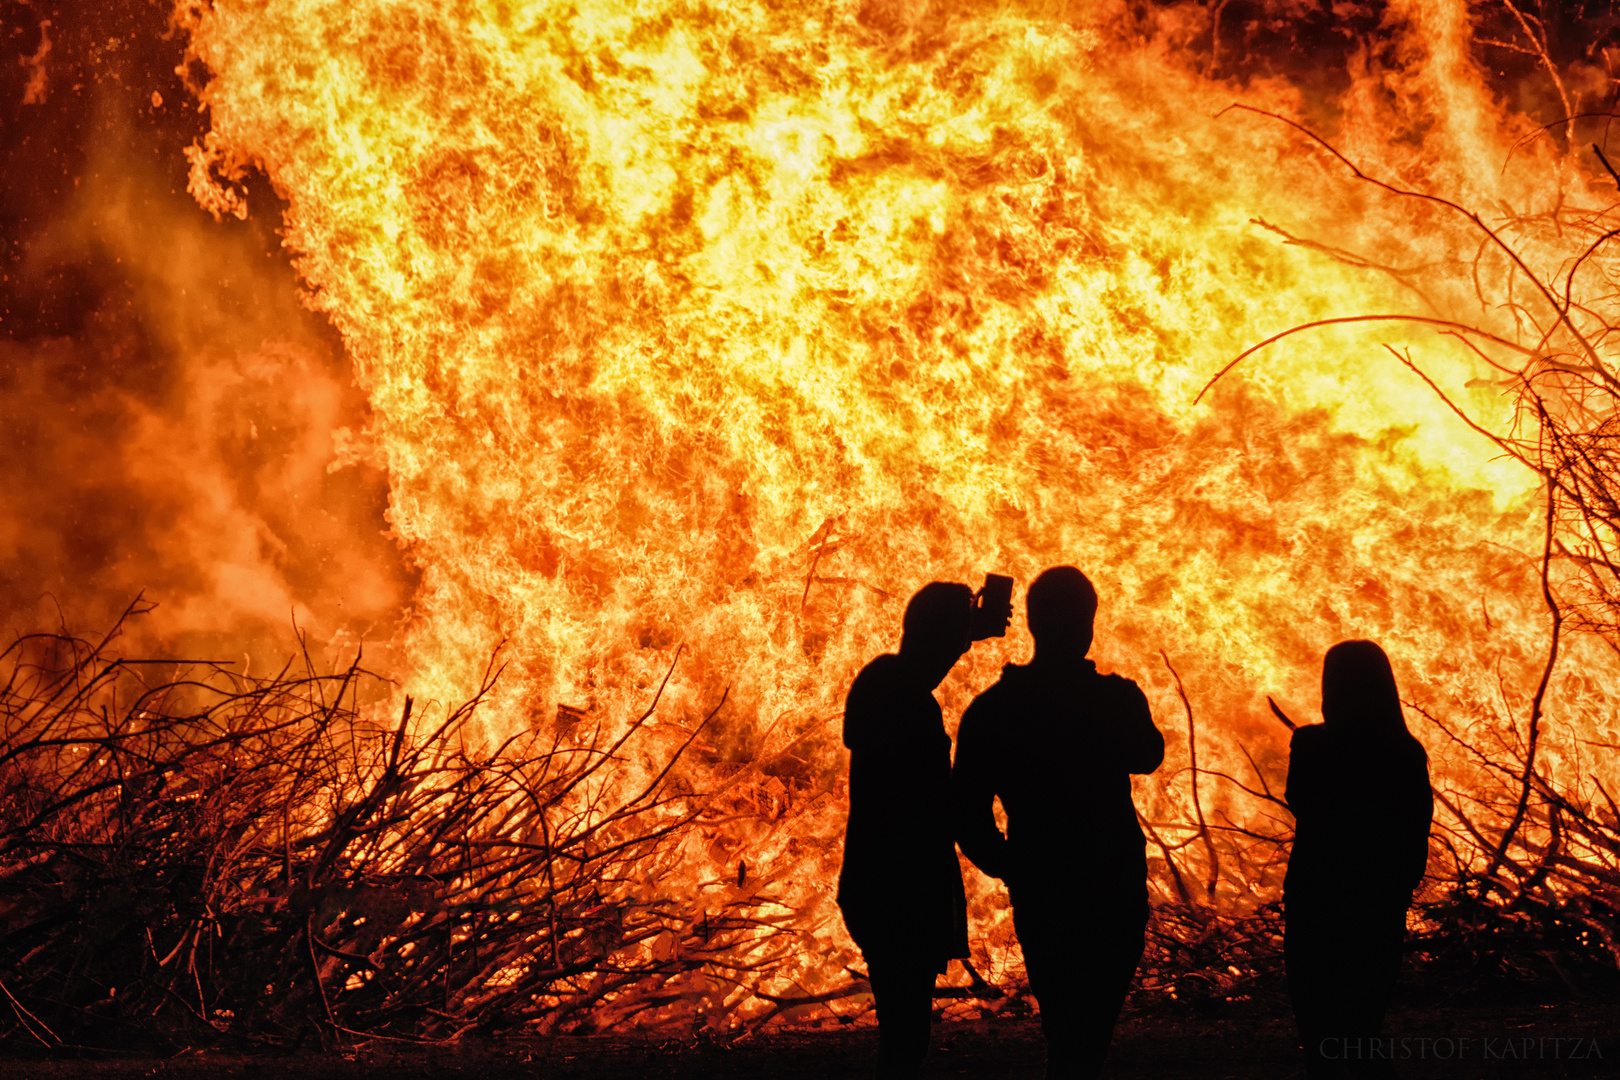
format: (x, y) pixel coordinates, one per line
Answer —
(992, 608)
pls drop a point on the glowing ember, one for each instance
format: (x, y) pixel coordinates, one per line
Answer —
(731, 326)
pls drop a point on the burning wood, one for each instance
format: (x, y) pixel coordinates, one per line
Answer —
(728, 327)
(212, 856)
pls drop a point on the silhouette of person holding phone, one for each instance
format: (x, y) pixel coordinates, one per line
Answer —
(1358, 785)
(1057, 742)
(901, 885)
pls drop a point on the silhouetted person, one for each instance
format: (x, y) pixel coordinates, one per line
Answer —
(901, 885)
(1057, 743)
(1358, 785)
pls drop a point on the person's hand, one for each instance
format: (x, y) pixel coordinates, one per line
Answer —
(992, 608)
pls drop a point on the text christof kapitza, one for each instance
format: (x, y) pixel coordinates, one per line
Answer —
(1479, 1048)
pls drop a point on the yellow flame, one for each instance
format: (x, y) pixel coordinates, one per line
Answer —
(733, 325)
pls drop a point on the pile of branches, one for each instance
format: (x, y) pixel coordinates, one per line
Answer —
(209, 857)
(1531, 876)
(1201, 958)
(1205, 949)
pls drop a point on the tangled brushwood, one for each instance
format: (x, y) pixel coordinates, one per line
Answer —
(206, 857)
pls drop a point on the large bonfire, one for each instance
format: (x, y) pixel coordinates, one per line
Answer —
(697, 337)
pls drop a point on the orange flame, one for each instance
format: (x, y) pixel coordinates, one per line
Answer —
(730, 326)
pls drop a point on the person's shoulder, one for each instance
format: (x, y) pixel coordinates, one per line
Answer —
(879, 666)
(878, 674)
(1014, 680)
(870, 699)
(872, 688)
(1118, 689)
(1308, 737)
(984, 727)
(1119, 684)
(999, 694)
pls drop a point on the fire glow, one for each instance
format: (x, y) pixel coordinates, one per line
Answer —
(727, 327)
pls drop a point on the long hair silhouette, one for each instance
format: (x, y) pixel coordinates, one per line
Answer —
(1358, 786)
(1359, 699)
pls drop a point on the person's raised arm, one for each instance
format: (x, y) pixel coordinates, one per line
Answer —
(973, 791)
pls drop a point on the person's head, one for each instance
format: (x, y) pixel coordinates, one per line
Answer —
(1358, 691)
(934, 632)
(1062, 607)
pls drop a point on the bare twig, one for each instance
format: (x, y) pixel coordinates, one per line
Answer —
(1198, 806)
(1538, 700)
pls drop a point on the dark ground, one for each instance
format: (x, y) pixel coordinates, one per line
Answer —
(1234, 1045)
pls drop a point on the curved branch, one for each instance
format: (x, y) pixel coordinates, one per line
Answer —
(1457, 327)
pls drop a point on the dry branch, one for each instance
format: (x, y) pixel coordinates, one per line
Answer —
(216, 857)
